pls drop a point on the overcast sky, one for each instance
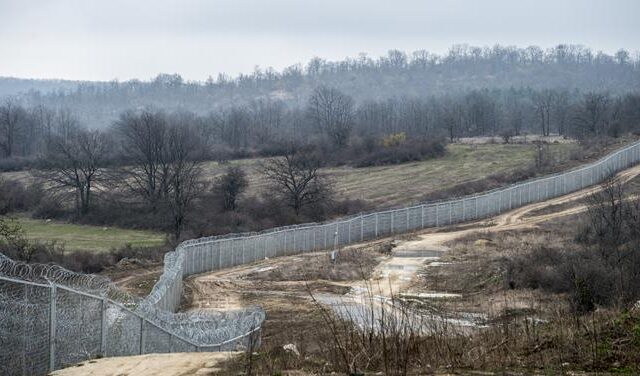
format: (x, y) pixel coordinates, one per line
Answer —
(123, 39)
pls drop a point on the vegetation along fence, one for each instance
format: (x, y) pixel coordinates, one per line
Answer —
(207, 254)
(50, 317)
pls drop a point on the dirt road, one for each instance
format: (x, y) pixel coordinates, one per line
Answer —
(225, 289)
(150, 365)
(398, 271)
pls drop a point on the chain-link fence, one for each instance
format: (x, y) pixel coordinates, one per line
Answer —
(51, 318)
(207, 254)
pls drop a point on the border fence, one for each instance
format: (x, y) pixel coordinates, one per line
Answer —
(208, 254)
(51, 317)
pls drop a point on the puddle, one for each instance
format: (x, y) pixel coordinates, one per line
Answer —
(438, 263)
(417, 253)
(402, 267)
(264, 269)
(431, 295)
(373, 312)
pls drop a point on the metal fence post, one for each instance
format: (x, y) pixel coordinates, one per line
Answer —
(142, 339)
(421, 216)
(361, 227)
(407, 209)
(391, 227)
(103, 327)
(463, 210)
(325, 237)
(52, 327)
(376, 225)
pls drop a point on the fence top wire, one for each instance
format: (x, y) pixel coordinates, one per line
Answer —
(208, 329)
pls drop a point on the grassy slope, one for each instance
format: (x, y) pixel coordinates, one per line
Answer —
(88, 238)
(410, 182)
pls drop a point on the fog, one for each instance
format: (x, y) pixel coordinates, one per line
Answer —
(104, 40)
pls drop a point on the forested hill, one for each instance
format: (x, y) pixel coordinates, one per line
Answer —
(10, 86)
(417, 75)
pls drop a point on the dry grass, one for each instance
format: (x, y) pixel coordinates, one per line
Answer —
(410, 182)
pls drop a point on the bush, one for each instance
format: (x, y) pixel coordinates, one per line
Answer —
(584, 275)
(396, 153)
(48, 208)
(15, 164)
(15, 197)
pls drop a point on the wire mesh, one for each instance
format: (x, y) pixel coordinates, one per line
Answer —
(82, 325)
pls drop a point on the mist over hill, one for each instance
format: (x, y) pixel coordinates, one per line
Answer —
(418, 75)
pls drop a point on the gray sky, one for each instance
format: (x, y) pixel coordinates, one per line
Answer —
(123, 39)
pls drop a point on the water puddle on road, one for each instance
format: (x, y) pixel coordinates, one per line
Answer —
(370, 309)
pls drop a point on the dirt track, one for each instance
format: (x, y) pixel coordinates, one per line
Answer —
(150, 365)
(224, 289)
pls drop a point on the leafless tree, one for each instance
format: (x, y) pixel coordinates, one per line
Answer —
(333, 112)
(75, 163)
(591, 113)
(144, 139)
(11, 117)
(66, 123)
(185, 185)
(544, 102)
(297, 177)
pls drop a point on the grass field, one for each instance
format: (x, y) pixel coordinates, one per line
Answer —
(410, 182)
(405, 183)
(88, 238)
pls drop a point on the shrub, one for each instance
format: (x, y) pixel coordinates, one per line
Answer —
(15, 197)
(409, 151)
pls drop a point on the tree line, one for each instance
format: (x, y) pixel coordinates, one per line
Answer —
(398, 74)
(334, 119)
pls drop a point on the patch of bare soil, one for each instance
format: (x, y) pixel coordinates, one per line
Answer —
(350, 264)
(134, 278)
(151, 365)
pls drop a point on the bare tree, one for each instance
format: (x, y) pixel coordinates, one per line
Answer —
(333, 112)
(185, 172)
(230, 186)
(144, 139)
(75, 163)
(591, 113)
(296, 177)
(544, 102)
(11, 117)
